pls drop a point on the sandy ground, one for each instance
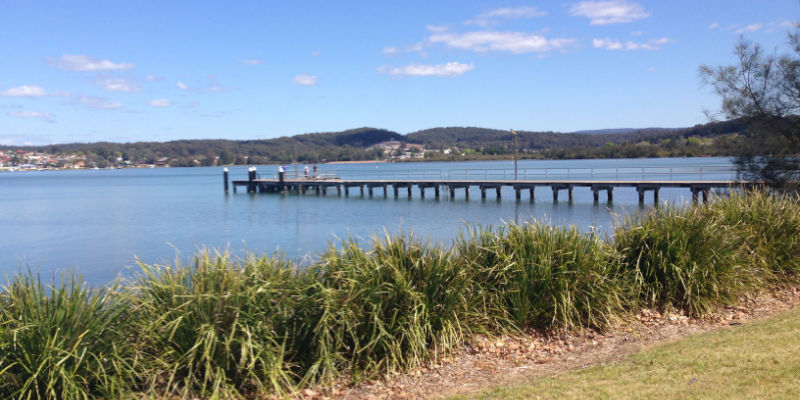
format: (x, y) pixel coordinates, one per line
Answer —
(487, 362)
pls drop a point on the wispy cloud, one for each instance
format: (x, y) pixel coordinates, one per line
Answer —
(118, 85)
(514, 42)
(609, 12)
(750, 28)
(251, 62)
(83, 63)
(97, 102)
(404, 49)
(32, 114)
(305, 80)
(152, 78)
(492, 17)
(160, 103)
(448, 70)
(713, 25)
(211, 86)
(436, 28)
(25, 91)
(609, 44)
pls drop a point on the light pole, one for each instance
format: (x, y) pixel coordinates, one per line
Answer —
(515, 152)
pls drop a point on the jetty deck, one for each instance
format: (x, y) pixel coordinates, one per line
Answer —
(645, 181)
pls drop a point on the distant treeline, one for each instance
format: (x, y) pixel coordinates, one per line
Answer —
(457, 143)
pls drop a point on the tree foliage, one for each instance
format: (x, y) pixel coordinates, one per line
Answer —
(764, 90)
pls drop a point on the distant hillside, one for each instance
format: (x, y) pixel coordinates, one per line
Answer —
(358, 144)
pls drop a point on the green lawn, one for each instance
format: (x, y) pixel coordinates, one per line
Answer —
(759, 360)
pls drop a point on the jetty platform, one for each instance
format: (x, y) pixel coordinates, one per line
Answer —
(485, 182)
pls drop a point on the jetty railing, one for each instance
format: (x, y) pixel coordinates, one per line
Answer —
(627, 173)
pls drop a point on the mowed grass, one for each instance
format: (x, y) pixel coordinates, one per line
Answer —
(759, 360)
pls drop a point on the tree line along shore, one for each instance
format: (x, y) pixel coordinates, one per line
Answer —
(220, 327)
(371, 144)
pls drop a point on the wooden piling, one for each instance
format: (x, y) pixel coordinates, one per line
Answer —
(225, 178)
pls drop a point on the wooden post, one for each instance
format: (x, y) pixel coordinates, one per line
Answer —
(483, 192)
(436, 191)
(421, 191)
(409, 191)
(517, 191)
(394, 186)
(569, 190)
(497, 190)
(706, 193)
(641, 196)
(225, 178)
(452, 192)
(370, 191)
(655, 195)
(610, 194)
(596, 195)
(555, 193)
(385, 191)
(346, 191)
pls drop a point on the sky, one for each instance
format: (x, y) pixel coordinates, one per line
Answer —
(126, 71)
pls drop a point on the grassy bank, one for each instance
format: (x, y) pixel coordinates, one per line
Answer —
(220, 327)
(758, 360)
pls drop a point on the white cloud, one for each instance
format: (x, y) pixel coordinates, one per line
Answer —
(609, 12)
(251, 62)
(84, 63)
(97, 102)
(118, 85)
(25, 91)
(160, 103)
(609, 44)
(514, 42)
(491, 17)
(449, 70)
(713, 26)
(32, 114)
(750, 28)
(305, 80)
(152, 78)
(405, 49)
(182, 86)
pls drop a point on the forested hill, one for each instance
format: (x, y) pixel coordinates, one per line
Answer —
(451, 143)
(472, 137)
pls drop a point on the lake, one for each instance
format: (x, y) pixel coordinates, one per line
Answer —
(101, 221)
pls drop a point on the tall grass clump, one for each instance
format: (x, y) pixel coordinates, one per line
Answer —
(684, 258)
(63, 340)
(216, 328)
(402, 302)
(544, 276)
(769, 223)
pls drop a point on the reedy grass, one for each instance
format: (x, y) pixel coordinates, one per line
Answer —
(214, 328)
(547, 277)
(402, 302)
(684, 258)
(63, 340)
(220, 327)
(770, 226)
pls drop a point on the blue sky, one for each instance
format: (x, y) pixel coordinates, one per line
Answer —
(120, 71)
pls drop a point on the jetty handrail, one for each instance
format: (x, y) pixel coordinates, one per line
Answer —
(625, 173)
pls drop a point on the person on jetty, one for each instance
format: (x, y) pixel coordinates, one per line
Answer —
(305, 170)
(281, 172)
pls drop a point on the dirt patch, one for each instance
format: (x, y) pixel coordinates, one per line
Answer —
(490, 361)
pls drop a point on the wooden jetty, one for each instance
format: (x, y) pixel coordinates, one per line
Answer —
(320, 186)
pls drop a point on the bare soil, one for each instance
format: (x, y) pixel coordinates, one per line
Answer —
(490, 361)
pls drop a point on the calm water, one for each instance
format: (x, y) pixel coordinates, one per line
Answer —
(100, 221)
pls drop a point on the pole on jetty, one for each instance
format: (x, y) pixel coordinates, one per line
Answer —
(225, 178)
(515, 153)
